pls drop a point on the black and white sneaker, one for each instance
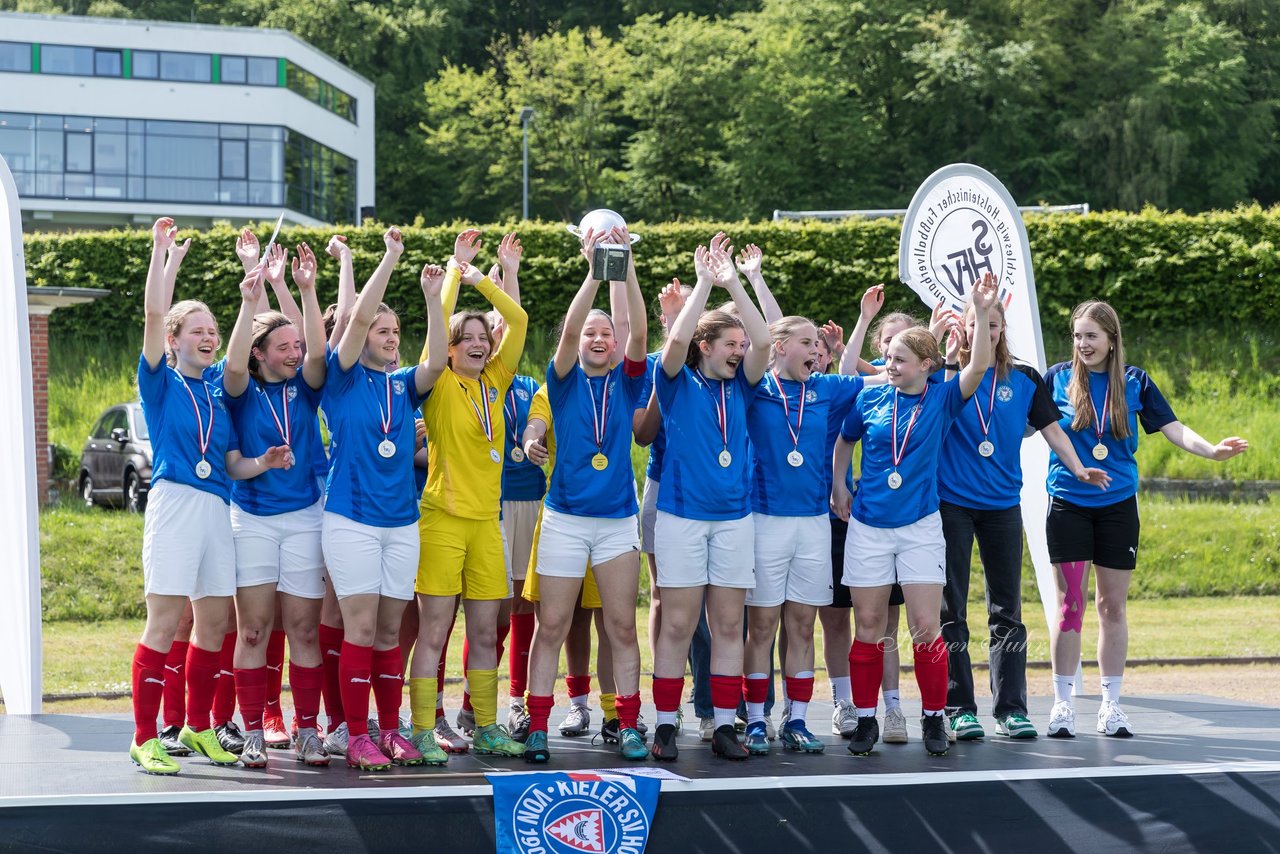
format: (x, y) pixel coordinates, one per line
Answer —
(169, 741)
(866, 735)
(933, 729)
(229, 737)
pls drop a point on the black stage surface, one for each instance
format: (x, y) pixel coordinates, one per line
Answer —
(1203, 774)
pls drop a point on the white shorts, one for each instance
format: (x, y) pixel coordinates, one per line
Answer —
(187, 548)
(648, 515)
(567, 542)
(693, 552)
(519, 518)
(283, 550)
(912, 554)
(366, 559)
(793, 560)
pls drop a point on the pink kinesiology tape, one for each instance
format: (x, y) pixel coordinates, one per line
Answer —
(1073, 598)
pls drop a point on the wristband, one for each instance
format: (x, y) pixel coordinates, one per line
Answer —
(951, 366)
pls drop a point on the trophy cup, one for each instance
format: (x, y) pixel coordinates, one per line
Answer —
(609, 262)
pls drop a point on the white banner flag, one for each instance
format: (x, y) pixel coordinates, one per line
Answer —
(963, 224)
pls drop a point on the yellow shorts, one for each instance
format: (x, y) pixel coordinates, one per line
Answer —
(590, 593)
(461, 556)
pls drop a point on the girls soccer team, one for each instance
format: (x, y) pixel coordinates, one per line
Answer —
(757, 448)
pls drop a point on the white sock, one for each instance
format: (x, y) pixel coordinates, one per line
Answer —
(841, 689)
(1062, 686)
(867, 713)
(892, 700)
(725, 716)
(1111, 688)
(666, 718)
(931, 713)
(798, 712)
(580, 700)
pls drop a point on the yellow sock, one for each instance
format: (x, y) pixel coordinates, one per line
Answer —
(422, 702)
(608, 704)
(484, 695)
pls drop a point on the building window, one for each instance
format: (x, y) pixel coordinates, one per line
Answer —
(235, 159)
(79, 151)
(234, 69)
(186, 67)
(146, 64)
(317, 91)
(108, 63)
(15, 56)
(62, 59)
(263, 71)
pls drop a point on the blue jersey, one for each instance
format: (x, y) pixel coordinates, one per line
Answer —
(871, 420)
(319, 449)
(694, 484)
(1145, 403)
(521, 481)
(177, 410)
(577, 405)
(363, 485)
(653, 470)
(995, 482)
(255, 415)
(774, 416)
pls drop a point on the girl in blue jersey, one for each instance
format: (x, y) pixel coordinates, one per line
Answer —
(187, 550)
(979, 492)
(895, 532)
(273, 394)
(704, 534)
(370, 533)
(590, 507)
(787, 422)
(1102, 401)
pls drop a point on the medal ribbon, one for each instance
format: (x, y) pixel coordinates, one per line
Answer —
(1099, 422)
(483, 416)
(895, 453)
(599, 416)
(985, 423)
(786, 410)
(386, 416)
(286, 431)
(203, 436)
(722, 407)
(512, 414)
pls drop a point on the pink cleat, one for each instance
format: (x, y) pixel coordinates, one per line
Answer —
(399, 748)
(362, 754)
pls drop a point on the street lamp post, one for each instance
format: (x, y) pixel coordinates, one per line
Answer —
(526, 115)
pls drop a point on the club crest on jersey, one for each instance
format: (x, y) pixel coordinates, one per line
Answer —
(1004, 393)
(397, 386)
(292, 392)
(811, 396)
(493, 395)
(523, 394)
(575, 813)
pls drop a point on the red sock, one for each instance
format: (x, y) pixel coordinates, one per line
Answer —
(628, 708)
(726, 691)
(251, 691)
(799, 689)
(667, 693)
(175, 685)
(931, 674)
(466, 662)
(518, 666)
(755, 690)
(202, 679)
(331, 652)
(224, 698)
(307, 683)
(539, 709)
(275, 675)
(388, 686)
(356, 667)
(578, 686)
(866, 664)
(148, 689)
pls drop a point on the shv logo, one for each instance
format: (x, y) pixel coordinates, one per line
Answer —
(575, 813)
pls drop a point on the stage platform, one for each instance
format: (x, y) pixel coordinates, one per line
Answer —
(1203, 774)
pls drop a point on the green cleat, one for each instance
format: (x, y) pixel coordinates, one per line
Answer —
(631, 745)
(493, 740)
(432, 754)
(152, 759)
(795, 736)
(206, 744)
(535, 747)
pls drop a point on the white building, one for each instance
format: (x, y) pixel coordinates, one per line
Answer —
(107, 122)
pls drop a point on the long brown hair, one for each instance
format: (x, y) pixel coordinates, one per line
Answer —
(458, 322)
(711, 325)
(263, 325)
(1078, 388)
(1001, 358)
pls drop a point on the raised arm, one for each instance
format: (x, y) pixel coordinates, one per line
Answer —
(515, 317)
(680, 333)
(757, 357)
(173, 263)
(247, 249)
(156, 299)
(314, 365)
(339, 249)
(626, 304)
(275, 277)
(366, 307)
(235, 375)
(984, 297)
(749, 263)
(1192, 442)
(430, 368)
(510, 253)
(576, 316)
(868, 308)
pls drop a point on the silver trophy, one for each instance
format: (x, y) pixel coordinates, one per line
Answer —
(609, 262)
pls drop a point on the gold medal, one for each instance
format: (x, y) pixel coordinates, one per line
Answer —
(1100, 452)
(599, 462)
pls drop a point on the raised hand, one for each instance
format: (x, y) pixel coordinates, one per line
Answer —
(275, 265)
(495, 275)
(337, 247)
(251, 284)
(984, 293)
(720, 245)
(941, 320)
(720, 261)
(247, 248)
(432, 280)
(466, 245)
(671, 299)
(589, 242)
(1228, 448)
(163, 232)
(509, 253)
(955, 343)
(178, 251)
(702, 263)
(470, 275)
(872, 302)
(304, 268)
(833, 335)
(749, 260)
(394, 241)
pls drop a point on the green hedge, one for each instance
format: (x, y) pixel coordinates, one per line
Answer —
(1160, 270)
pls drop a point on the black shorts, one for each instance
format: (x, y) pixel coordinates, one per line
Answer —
(1108, 535)
(839, 593)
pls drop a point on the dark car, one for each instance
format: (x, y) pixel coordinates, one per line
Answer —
(115, 467)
